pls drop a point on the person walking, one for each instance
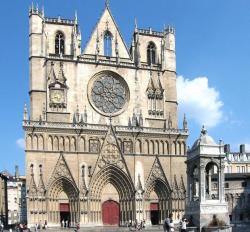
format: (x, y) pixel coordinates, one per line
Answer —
(168, 225)
(184, 223)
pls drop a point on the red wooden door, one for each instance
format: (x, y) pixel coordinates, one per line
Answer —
(110, 213)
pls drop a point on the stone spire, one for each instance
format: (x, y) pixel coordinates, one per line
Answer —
(77, 114)
(141, 119)
(170, 121)
(97, 44)
(32, 186)
(84, 186)
(25, 113)
(44, 112)
(85, 115)
(137, 51)
(139, 184)
(61, 77)
(41, 186)
(52, 76)
(76, 17)
(134, 120)
(117, 49)
(185, 124)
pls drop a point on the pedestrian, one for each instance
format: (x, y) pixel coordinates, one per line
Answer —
(184, 223)
(168, 225)
(45, 224)
(36, 226)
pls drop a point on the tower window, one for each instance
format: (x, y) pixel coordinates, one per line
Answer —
(59, 43)
(107, 43)
(151, 53)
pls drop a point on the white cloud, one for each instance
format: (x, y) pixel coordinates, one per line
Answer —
(20, 143)
(199, 101)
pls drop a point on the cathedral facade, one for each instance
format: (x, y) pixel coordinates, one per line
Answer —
(103, 145)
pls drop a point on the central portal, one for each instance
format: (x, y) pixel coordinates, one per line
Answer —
(64, 214)
(111, 213)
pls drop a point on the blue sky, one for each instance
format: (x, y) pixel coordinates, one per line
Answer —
(213, 61)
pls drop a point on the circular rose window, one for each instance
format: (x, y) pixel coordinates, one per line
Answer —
(108, 93)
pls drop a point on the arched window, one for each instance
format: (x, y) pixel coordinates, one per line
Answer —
(107, 43)
(151, 53)
(59, 43)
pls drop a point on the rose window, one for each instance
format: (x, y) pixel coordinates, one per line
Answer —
(109, 94)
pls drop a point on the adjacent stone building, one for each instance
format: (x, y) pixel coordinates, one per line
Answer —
(103, 144)
(237, 184)
(16, 188)
(3, 200)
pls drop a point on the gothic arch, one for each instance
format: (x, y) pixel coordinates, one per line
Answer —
(28, 142)
(161, 148)
(151, 147)
(124, 186)
(138, 146)
(146, 147)
(61, 143)
(118, 178)
(156, 151)
(35, 142)
(55, 144)
(174, 148)
(73, 144)
(40, 143)
(82, 144)
(67, 144)
(50, 143)
(167, 148)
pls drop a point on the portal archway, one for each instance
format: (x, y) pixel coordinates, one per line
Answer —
(62, 201)
(123, 184)
(157, 198)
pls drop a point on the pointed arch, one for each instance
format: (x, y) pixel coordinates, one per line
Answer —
(82, 144)
(35, 142)
(138, 146)
(108, 37)
(73, 144)
(29, 142)
(40, 143)
(67, 144)
(151, 53)
(161, 148)
(55, 144)
(151, 147)
(50, 143)
(146, 147)
(59, 43)
(173, 148)
(61, 144)
(117, 177)
(156, 150)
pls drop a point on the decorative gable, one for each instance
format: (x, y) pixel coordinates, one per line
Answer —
(61, 170)
(107, 26)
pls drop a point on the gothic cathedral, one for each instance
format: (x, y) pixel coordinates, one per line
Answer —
(103, 145)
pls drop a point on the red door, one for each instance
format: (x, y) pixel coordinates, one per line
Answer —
(110, 213)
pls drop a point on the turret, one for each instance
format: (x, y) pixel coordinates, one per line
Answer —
(168, 47)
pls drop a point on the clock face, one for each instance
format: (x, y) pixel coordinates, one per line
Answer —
(57, 96)
(109, 94)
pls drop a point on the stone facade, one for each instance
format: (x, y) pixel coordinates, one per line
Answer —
(102, 124)
(237, 184)
(16, 188)
(3, 200)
